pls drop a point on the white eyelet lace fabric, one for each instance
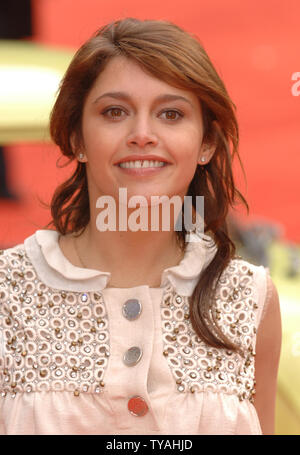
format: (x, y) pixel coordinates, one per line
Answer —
(51, 339)
(63, 336)
(59, 340)
(195, 365)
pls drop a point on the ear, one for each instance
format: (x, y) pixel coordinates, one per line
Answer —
(206, 153)
(77, 149)
(209, 147)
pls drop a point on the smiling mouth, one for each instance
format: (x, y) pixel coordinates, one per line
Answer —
(142, 164)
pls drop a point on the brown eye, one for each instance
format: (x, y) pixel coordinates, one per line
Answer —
(172, 115)
(113, 112)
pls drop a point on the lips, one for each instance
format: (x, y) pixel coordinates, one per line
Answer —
(142, 158)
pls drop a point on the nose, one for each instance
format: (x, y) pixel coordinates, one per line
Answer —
(141, 133)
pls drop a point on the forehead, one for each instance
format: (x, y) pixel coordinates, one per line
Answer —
(123, 74)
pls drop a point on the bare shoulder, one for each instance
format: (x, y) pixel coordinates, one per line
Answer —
(268, 333)
(268, 347)
(269, 330)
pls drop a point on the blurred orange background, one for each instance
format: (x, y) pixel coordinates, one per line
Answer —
(255, 47)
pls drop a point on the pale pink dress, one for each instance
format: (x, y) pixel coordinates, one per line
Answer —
(63, 336)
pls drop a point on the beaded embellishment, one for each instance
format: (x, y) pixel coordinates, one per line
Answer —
(59, 340)
(51, 339)
(197, 366)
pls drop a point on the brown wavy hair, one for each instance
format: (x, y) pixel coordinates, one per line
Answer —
(171, 54)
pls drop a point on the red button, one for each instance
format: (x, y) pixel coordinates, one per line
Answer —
(137, 406)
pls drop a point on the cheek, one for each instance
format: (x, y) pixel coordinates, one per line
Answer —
(187, 155)
(187, 142)
(99, 142)
(187, 152)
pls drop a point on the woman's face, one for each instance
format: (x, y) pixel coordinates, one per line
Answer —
(130, 115)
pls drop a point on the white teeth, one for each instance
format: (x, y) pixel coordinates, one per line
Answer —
(141, 163)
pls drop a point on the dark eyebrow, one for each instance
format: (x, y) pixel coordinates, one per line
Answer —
(124, 96)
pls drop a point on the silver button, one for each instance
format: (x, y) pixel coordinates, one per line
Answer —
(132, 356)
(132, 309)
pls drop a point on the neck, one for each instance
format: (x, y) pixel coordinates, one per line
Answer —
(132, 258)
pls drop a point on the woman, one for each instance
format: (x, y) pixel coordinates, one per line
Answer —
(126, 331)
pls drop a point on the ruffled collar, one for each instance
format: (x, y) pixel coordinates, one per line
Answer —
(57, 271)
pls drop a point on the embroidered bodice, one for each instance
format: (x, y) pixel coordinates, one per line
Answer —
(66, 344)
